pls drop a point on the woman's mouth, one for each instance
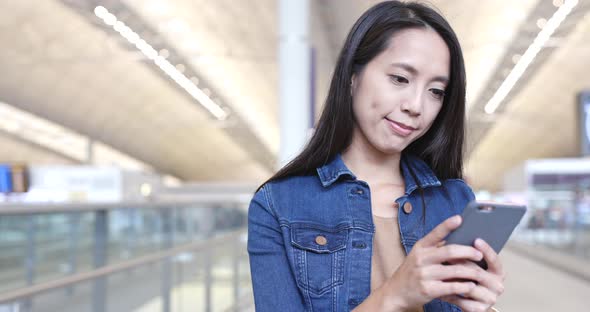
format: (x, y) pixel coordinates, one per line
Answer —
(400, 128)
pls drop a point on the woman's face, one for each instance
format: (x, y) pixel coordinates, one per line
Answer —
(399, 93)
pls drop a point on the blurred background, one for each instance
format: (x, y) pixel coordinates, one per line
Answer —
(133, 134)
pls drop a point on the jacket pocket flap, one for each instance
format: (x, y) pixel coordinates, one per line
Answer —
(318, 238)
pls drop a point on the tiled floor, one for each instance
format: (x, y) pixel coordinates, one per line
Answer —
(531, 286)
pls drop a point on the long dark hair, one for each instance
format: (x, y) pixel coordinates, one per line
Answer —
(441, 147)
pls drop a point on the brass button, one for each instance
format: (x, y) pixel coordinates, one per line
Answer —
(407, 207)
(321, 240)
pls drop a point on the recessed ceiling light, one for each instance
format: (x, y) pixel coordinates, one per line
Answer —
(164, 53)
(515, 58)
(529, 55)
(201, 96)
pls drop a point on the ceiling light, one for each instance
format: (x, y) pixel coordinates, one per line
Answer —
(109, 19)
(530, 54)
(541, 23)
(100, 11)
(145, 189)
(164, 53)
(160, 60)
(516, 58)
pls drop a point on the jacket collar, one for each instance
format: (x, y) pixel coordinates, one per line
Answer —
(425, 177)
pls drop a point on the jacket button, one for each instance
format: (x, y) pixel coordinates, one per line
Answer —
(407, 207)
(359, 245)
(357, 191)
(321, 240)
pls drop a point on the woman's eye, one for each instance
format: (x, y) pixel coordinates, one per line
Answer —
(438, 93)
(398, 79)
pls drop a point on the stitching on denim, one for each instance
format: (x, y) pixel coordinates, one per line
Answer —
(269, 201)
(306, 286)
(334, 301)
(334, 290)
(334, 271)
(322, 174)
(316, 226)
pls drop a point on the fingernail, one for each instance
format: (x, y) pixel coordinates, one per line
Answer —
(479, 242)
(456, 219)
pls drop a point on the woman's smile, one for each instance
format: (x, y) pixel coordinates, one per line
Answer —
(400, 128)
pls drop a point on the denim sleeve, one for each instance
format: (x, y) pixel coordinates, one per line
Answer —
(273, 281)
(460, 192)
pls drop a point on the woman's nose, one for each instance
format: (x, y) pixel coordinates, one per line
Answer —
(412, 104)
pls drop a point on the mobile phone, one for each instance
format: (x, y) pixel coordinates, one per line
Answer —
(492, 222)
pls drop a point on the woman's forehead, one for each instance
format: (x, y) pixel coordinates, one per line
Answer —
(420, 49)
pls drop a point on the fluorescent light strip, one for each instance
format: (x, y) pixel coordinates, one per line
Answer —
(161, 62)
(530, 54)
(31, 128)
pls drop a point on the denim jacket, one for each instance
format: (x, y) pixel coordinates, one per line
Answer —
(310, 238)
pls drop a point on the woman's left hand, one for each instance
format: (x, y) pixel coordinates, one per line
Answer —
(490, 283)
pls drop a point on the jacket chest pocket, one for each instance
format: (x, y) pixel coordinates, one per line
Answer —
(319, 253)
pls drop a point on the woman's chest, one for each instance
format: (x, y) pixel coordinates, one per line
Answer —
(383, 201)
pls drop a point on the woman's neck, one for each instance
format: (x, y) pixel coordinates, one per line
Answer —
(372, 166)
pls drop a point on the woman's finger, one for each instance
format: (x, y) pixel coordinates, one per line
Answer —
(453, 252)
(491, 257)
(440, 232)
(484, 278)
(482, 294)
(451, 272)
(439, 289)
(466, 304)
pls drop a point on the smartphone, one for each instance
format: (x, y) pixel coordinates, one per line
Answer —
(492, 222)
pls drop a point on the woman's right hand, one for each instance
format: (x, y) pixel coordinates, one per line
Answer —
(423, 277)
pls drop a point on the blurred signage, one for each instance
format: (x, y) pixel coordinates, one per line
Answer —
(75, 184)
(5, 179)
(584, 125)
(13, 178)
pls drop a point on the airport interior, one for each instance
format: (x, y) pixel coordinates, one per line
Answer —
(134, 133)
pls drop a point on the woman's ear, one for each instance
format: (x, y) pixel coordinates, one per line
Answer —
(352, 84)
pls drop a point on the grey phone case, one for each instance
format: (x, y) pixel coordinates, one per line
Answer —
(492, 222)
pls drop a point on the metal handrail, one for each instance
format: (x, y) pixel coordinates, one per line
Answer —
(110, 269)
(43, 208)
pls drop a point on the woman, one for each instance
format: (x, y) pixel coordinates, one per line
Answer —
(357, 220)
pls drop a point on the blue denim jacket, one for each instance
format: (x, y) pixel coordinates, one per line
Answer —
(292, 272)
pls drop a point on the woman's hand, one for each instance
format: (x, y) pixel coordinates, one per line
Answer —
(490, 283)
(423, 276)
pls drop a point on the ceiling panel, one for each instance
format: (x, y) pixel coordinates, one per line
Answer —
(63, 66)
(102, 90)
(541, 121)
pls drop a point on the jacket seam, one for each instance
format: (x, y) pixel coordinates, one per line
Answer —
(269, 201)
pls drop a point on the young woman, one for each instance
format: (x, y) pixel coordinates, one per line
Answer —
(357, 220)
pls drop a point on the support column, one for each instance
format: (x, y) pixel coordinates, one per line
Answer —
(294, 77)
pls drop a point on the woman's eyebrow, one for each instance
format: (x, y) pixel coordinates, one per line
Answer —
(414, 71)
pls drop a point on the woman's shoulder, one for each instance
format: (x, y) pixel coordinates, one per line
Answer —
(294, 196)
(458, 189)
(292, 184)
